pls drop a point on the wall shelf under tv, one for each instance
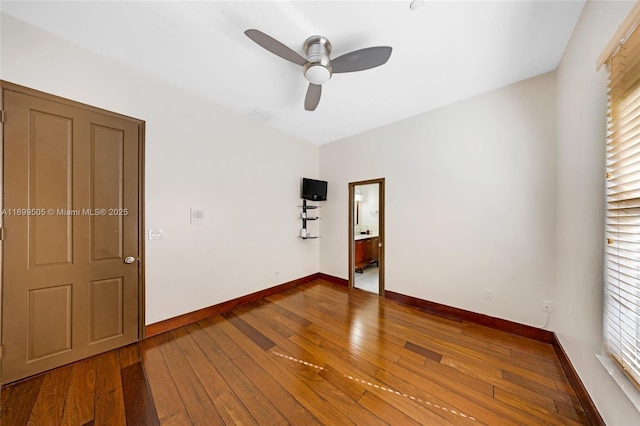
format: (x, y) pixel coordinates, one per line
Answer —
(303, 232)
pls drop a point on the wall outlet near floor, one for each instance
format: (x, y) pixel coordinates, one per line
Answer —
(546, 306)
(488, 294)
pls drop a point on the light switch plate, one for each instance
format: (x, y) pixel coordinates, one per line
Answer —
(156, 234)
(198, 216)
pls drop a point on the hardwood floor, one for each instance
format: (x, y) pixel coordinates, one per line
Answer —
(317, 354)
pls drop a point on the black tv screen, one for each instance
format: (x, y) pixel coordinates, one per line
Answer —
(314, 190)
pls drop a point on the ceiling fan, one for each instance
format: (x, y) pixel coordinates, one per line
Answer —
(318, 66)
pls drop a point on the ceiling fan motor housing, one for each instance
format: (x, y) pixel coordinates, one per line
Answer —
(317, 70)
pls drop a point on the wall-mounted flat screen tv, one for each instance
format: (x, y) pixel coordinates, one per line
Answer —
(314, 190)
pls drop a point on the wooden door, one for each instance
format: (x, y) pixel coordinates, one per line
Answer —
(71, 218)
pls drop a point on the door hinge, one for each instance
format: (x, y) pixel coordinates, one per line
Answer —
(2, 233)
(0, 352)
(2, 116)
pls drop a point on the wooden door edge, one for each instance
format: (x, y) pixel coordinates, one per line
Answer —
(381, 237)
(1, 222)
(351, 241)
(141, 234)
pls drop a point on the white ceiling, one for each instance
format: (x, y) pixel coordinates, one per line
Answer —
(443, 52)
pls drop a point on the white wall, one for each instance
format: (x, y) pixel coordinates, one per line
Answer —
(245, 174)
(470, 200)
(578, 295)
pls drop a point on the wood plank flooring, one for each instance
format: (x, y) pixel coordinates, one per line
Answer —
(317, 354)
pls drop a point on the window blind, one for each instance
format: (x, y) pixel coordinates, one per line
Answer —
(622, 253)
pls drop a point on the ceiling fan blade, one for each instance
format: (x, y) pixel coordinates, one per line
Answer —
(312, 99)
(362, 59)
(275, 47)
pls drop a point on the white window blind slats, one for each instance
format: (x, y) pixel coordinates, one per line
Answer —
(617, 163)
(629, 83)
(630, 362)
(631, 130)
(624, 242)
(617, 315)
(621, 242)
(631, 111)
(629, 202)
(628, 121)
(622, 196)
(621, 237)
(632, 105)
(627, 256)
(630, 302)
(625, 270)
(630, 251)
(625, 225)
(626, 338)
(621, 172)
(627, 279)
(628, 342)
(622, 220)
(625, 186)
(622, 228)
(624, 159)
(615, 213)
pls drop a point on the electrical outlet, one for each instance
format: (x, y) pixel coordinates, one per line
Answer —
(488, 294)
(546, 306)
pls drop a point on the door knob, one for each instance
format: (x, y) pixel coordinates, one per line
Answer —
(129, 259)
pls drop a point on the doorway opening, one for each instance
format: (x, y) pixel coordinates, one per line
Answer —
(366, 235)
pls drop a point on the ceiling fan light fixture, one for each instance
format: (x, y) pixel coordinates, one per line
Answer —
(317, 73)
(317, 70)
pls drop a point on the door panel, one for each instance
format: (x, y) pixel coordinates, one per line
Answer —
(71, 201)
(49, 326)
(107, 152)
(106, 309)
(49, 152)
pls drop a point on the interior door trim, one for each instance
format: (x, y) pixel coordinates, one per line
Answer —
(8, 86)
(381, 232)
(1, 216)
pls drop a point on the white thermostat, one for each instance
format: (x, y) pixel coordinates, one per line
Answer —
(198, 216)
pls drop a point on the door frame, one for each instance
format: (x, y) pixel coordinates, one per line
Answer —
(8, 86)
(381, 231)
